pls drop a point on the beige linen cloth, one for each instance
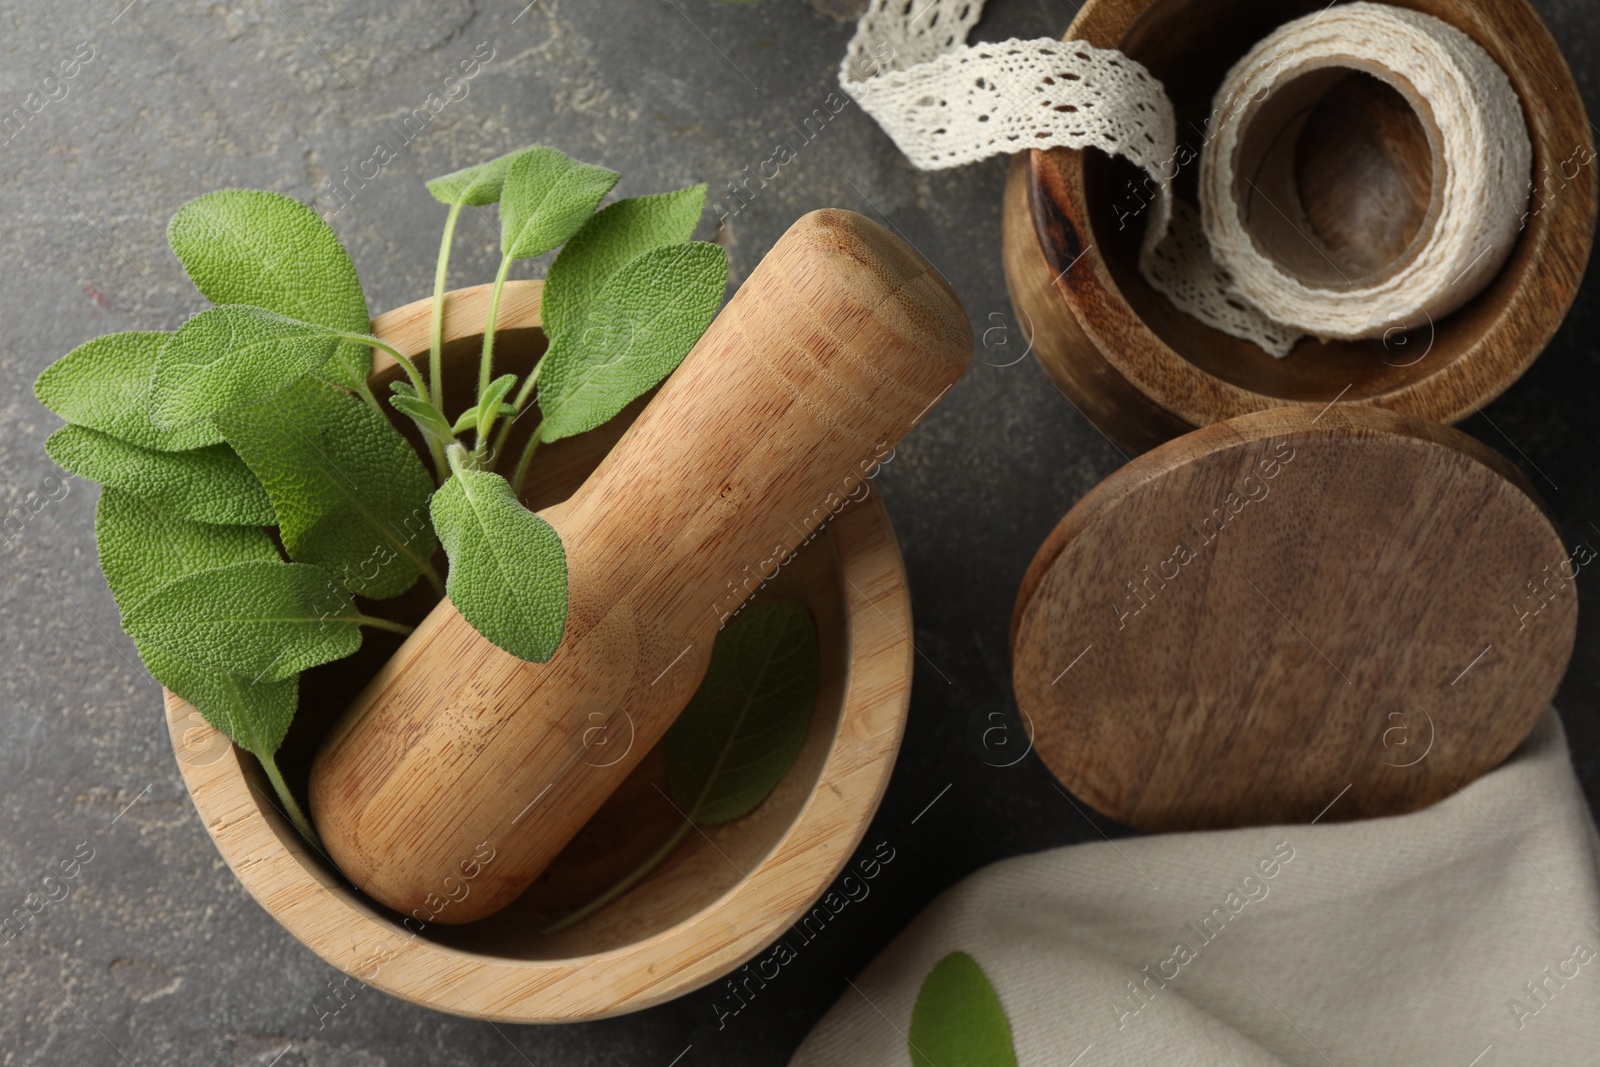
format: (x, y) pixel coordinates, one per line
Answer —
(1464, 935)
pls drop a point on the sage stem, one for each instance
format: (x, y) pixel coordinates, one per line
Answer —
(435, 449)
(486, 362)
(527, 454)
(436, 336)
(627, 882)
(517, 405)
(382, 624)
(291, 808)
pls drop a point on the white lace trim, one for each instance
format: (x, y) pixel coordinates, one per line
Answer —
(946, 104)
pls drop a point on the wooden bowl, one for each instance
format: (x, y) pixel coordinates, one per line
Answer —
(723, 894)
(1144, 372)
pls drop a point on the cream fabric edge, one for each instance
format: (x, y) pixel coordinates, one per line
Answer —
(1404, 940)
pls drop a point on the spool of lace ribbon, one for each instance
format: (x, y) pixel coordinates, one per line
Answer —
(945, 104)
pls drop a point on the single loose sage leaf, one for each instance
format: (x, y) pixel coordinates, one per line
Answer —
(545, 198)
(350, 493)
(234, 355)
(209, 484)
(105, 384)
(743, 728)
(740, 733)
(615, 235)
(477, 186)
(508, 571)
(248, 246)
(957, 1020)
(264, 620)
(638, 329)
(142, 548)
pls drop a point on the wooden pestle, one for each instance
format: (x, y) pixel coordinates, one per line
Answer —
(461, 771)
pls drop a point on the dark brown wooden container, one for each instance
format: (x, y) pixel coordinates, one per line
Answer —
(1143, 372)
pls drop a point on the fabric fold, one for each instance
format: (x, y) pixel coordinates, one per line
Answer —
(1463, 934)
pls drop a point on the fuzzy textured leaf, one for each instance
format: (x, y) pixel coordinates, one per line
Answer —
(546, 197)
(351, 495)
(256, 715)
(137, 565)
(248, 246)
(427, 417)
(508, 571)
(209, 484)
(957, 1020)
(743, 728)
(142, 548)
(264, 620)
(234, 355)
(474, 186)
(105, 384)
(638, 329)
(615, 235)
(491, 404)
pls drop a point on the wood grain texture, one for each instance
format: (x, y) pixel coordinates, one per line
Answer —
(1290, 607)
(1144, 372)
(695, 917)
(837, 344)
(1364, 175)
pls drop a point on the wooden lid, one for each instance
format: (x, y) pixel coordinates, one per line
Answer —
(1299, 613)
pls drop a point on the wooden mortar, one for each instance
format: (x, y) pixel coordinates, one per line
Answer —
(722, 896)
(837, 344)
(1144, 372)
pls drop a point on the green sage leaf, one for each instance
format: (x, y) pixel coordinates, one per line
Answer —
(350, 493)
(477, 186)
(209, 484)
(615, 235)
(105, 384)
(743, 728)
(429, 419)
(741, 731)
(254, 714)
(264, 620)
(491, 404)
(638, 329)
(142, 548)
(234, 355)
(957, 1020)
(137, 565)
(248, 246)
(508, 571)
(545, 198)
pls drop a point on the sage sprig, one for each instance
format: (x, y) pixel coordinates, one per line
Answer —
(257, 414)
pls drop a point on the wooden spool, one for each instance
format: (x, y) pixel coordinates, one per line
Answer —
(1144, 372)
(724, 894)
(1339, 612)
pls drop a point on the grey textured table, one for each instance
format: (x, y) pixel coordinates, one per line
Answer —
(158, 956)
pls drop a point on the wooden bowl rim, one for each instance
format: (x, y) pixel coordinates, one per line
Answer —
(1488, 366)
(271, 861)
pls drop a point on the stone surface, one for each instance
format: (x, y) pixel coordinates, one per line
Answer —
(156, 955)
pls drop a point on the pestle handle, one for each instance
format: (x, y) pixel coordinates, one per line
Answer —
(460, 772)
